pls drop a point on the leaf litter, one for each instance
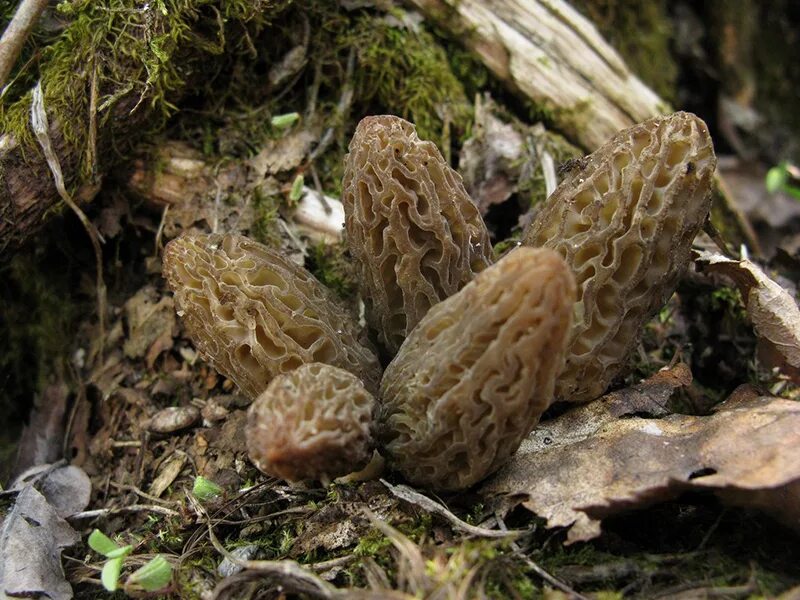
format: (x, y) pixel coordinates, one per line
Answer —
(604, 458)
(771, 309)
(35, 531)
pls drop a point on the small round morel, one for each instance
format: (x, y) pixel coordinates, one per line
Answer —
(475, 375)
(313, 423)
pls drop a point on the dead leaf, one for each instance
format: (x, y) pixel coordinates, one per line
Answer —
(490, 160)
(595, 465)
(151, 322)
(66, 488)
(109, 222)
(772, 310)
(283, 154)
(31, 539)
(42, 440)
(168, 471)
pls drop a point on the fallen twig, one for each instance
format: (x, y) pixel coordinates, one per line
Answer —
(107, 512)
(16, 33)
(414, 497)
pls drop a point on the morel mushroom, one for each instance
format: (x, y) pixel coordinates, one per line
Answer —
(624, 220)
(414, 234)
(475, 375)
(254, 314)
(311, 424)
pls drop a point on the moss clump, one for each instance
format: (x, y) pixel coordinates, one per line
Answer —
(137, 56)
(407, 73)
(265, 215)
(330, 263)
(532, 183)
(641, 32)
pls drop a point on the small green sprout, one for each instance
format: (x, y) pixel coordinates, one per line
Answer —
(779, 179)
(154, 575)
(284, 121)
(205, 489)
(110, 573)
(102, 544)
(297, 189)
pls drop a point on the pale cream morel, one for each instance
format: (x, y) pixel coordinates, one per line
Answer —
(254, 314)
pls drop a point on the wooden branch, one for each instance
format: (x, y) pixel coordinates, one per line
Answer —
(547, 52)
(16, 33)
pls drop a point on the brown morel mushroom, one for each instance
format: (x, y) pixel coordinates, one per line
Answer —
(311, 424)
(415, 235)
(254, 314)
(473, 378)
(624, 219)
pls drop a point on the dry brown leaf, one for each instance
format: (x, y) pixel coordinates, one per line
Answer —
(283, 154)
(588, 464)
(168, 471)
(772, 310)
(42, 440)
(32, 537)
(151, 322)
(490, 161)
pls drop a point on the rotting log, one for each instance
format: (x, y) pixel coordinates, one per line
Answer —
(549, 53)
(115, 70)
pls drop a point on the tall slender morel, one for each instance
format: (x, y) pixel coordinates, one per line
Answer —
(624, 221)
(415, 235)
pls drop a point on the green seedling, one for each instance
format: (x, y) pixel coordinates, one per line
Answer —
(297, 189)
(284, 121)
(205, 489)
(780, 178)
(154, 575)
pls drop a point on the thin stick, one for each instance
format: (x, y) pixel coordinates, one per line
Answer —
(533, 566)
(41, 128)
(110, 512)
(414, 497)
(16, 33)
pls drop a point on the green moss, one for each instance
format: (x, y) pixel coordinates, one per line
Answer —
(533, 188)
(265, 215)
(729, 301)
(500, 248)
(641, 32)
(330, 264)
(372, 544)
(467, 68)
(139, 56)
(407, 73)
